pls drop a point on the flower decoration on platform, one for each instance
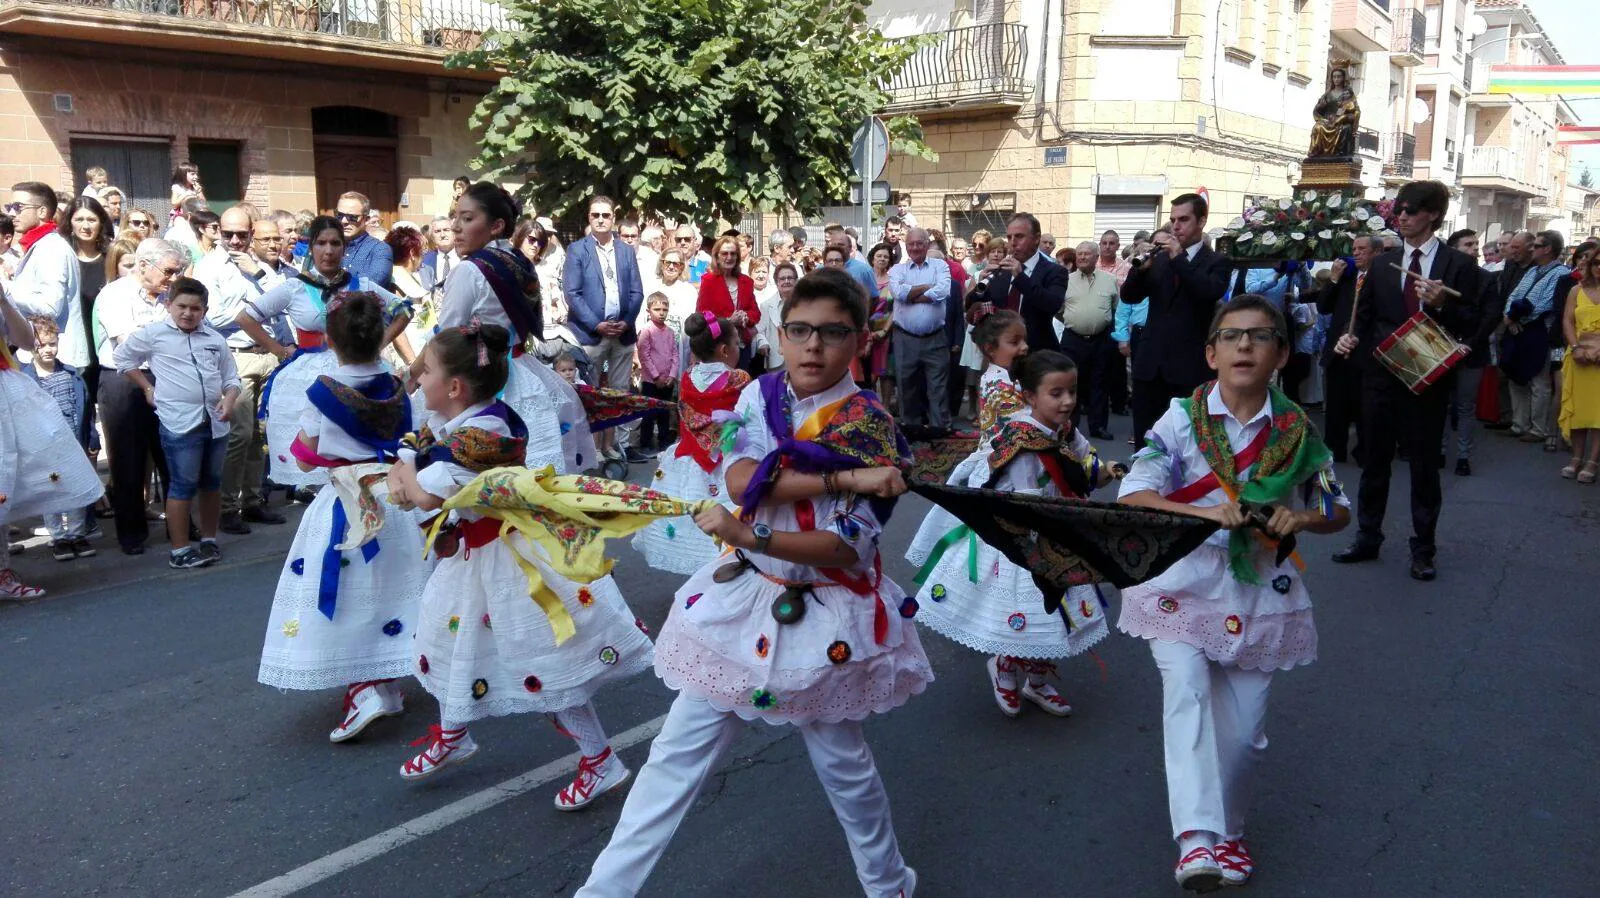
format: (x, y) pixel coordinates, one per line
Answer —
(1311, 225)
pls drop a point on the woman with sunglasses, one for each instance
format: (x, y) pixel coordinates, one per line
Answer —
(728, 293)
(305, 300)
(137, 224)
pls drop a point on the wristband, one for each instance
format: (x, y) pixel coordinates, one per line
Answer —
(828, 487)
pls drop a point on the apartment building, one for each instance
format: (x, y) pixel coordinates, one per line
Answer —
(1515, 171)
(284, 103)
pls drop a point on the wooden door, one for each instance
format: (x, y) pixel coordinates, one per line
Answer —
(362, 167)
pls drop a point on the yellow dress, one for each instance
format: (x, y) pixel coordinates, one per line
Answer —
(1580, 384)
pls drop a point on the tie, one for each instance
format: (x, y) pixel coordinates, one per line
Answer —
(1014, 296)
(1413, 304)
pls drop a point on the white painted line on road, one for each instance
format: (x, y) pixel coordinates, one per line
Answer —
(354, 855)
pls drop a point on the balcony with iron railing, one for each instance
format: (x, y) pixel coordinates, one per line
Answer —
(1409, 40)
(1400, 162)
(966, 69)
(398, 35)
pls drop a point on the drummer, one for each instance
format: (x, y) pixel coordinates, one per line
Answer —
(1443, 284)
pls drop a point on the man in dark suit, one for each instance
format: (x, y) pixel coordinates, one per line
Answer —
(1028, 283)
(604, 293)
(1184, 279)
(1342, 377)
(1394, 415)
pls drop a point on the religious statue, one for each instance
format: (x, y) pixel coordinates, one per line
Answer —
(1337, 118)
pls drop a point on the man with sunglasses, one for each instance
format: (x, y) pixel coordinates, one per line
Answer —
(1528, 314)
(1394, 415)
(234, 277)
(364, 255)
(45, 283)
(604, 293)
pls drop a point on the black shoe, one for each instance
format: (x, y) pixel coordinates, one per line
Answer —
(636, 457)
(1358, 552)
(1423, 569)
(82, 549)
(305, 495)
(1340, 458)
(189, 557)
(210, 552)
(1463, 468)
(133, 548)
(62, 550)
(1102, 434)
(233, 522)
(260, 514)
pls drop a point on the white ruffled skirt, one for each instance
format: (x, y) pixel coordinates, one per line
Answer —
(676, 545)
(370, 634)
(284, 406)
(42, 467)
(484, 648)
(1199, 602)
(722, 644)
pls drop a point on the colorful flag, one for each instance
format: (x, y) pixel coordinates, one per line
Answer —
(1568, 80)
(1576, 135)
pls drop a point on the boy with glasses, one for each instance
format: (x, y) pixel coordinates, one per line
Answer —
(1229, 614)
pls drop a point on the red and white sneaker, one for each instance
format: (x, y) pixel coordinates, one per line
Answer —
(1003, 679)
(1198, 870)
(365, 703)
(1046, 697)
(1233, 856)
(13, 588)
(910, 887)
(597, 775)
(445, 747)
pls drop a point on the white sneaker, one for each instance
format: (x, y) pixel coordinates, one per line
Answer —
(445, 747)
(363, 704)
(1046, 697)
(597, 775)
(12, 587)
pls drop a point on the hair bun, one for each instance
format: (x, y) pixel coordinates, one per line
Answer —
(495, 338)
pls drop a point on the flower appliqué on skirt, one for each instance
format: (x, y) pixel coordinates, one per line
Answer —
(480, 688)
(1233, 625)
(1017, 621)
(393, 627)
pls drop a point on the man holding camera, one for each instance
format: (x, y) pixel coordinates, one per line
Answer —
(1184, 280)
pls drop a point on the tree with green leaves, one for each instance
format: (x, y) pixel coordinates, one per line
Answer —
(686, 108)
(1585, 179)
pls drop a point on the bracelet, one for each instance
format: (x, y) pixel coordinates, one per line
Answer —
(828, 487)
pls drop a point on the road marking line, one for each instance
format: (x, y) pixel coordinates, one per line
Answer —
(367, 849)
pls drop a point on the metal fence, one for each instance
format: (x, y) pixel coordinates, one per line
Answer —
(443, 24)
(1402, 155)
(1410, 31)
(983, 62)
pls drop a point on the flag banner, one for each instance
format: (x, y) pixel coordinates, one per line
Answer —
(1577, 135)
(1073, 542)
(1569, 80)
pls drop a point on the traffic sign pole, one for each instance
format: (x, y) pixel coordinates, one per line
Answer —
(866, 190)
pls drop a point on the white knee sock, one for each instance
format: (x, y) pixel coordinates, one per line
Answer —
(583, 725)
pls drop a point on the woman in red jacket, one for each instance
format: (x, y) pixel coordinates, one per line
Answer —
(726, 293)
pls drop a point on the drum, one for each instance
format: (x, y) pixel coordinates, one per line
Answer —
(1420, 352)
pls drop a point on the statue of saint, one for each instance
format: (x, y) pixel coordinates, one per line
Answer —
(1337, 118)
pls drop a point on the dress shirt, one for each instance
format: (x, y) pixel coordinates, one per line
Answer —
(925, 317)
(1174, 455)
(46, 285)
(1129, 316)
(192, 370)
(229, 289)
(122, 308)
(658, 351)
(1430, 251)
(1118, 268)
(1091, 302)
(606, 255)
(1538, 287)
(368, 257)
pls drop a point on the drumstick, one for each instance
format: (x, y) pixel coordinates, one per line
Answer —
(1409, 273)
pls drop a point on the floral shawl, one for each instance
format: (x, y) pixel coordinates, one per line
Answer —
(700, 431)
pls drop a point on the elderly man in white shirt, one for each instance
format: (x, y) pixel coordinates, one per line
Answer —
(132, 434)
(234, 277)
(920, 287)
(45, 281)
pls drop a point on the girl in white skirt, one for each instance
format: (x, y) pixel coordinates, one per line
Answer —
(972, 593)
(42, 466)
(692, 468)
(304, 298)
(345, 616)
(484, 647)
(495, 284)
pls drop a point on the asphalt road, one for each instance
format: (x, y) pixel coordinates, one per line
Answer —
(1442, 745)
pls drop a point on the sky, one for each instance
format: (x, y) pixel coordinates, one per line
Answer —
(1570, 26)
